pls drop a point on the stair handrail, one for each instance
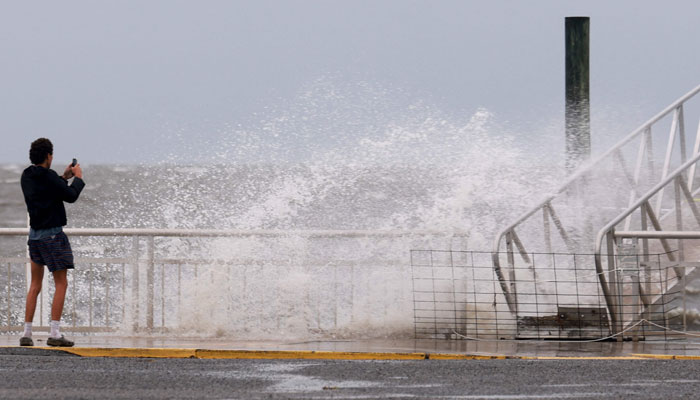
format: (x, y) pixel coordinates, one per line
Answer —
(608, 232)
(583, 170)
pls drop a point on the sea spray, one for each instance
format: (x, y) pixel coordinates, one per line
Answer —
(342, 157)
(359, 169)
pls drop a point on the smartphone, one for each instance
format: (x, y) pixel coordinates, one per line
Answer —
(74, 163)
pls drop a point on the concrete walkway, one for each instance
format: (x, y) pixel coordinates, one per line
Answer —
(118, 346)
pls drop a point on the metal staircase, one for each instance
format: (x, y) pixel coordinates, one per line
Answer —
(633, 209)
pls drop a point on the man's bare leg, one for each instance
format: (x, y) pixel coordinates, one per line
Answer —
(60, 279)
(30, 306)
(34, 290)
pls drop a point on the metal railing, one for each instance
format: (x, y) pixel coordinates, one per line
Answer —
(648, 218)
(586, 205)
(159, 280)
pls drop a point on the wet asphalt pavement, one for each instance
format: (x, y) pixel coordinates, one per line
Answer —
(28, 374)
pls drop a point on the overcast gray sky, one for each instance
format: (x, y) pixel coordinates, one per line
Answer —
(111, 81)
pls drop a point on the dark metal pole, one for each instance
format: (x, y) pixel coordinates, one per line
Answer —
(578, 115)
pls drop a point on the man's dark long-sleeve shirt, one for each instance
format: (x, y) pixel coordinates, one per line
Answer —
(44, 192)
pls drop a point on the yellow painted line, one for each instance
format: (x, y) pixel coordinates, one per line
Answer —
(314, 355)
(231, 354)
(326, 355)
(449, 356)
(686, 357)
(126, 352)
(668, 357)
(580, 358)
(656, 356)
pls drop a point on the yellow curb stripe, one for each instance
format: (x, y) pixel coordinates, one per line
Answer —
(314, 355)
(668, 357)
(656, 356)
(126, 352)
(326, 355)
(231, 354)
(581, 358)
(448, 356)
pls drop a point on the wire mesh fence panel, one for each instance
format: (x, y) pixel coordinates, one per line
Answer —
(457, 295)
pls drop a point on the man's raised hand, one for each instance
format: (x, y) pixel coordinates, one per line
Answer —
(68, 173)
(77, 171)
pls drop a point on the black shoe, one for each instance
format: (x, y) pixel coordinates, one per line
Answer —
(60, 342)
(26, 341)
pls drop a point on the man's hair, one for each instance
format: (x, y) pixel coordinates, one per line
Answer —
(40, 150)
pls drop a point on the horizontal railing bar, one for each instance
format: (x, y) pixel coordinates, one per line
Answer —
(658, 234)
(431, 321)
(470, 293)
(523, 302)
(249, 262)
(106, 260)
(236, 233)
(22, 260)
(186, 262)
(264, 262)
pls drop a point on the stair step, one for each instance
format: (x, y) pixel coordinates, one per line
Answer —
(568, 322)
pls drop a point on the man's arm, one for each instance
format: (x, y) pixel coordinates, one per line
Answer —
(67, 193)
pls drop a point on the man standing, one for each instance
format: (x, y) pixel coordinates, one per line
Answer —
(44, 192)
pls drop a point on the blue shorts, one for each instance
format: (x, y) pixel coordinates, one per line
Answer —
(53, 251)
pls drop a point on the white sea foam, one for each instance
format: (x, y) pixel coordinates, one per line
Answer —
(365, 161)
(341, 156)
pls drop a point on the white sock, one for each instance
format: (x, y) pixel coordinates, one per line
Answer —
(54, 329)
(27, 329)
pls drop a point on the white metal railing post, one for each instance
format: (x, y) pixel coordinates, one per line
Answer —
(546, 229)
(667, 158)
(90, 295)
(28, 272)
(150, 272)
(644, 226)
(679, 214)
(613, 286)
(696, 150)
(685, 305)
(135, 272)
(681, 133)
(637, 174)
(511, 270)
(9, 295)
(651, 165)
